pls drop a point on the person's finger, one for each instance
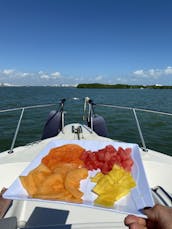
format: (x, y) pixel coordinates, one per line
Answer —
(152, 213)
(3, 190)
(131, 219)
(136, 226)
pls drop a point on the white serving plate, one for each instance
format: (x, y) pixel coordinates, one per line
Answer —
(138, 198)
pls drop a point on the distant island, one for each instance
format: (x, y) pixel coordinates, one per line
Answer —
(122, 86)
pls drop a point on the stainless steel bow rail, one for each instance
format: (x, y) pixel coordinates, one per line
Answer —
(20, 119)
(134, 110)
(136, 118)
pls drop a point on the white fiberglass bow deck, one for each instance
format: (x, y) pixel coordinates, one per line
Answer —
(157, 167)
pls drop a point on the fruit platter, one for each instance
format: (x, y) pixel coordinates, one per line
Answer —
(108, 175)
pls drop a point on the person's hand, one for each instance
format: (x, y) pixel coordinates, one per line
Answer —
(159, 217)
(4, 203)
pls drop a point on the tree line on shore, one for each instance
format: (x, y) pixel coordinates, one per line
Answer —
(122, 86)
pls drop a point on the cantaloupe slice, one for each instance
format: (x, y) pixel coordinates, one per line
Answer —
(58, 176)
(29, 184)
(52, 184)
(72, 181)
(35, 178)
(66, 153)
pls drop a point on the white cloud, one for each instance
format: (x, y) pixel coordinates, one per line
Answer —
(56, 74)
(139, 73)
(8, 71)
(168, 70)
(153, 73)
(23, 74)
(44, 76)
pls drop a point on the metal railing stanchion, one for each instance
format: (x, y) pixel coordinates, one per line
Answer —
(140, 131)
(16, 132)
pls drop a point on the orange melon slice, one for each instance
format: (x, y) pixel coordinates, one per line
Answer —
(72, 181)
(66, 153)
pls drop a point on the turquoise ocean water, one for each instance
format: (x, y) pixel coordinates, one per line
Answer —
(157, 129)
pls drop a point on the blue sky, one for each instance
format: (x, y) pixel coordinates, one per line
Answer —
(49, 42)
